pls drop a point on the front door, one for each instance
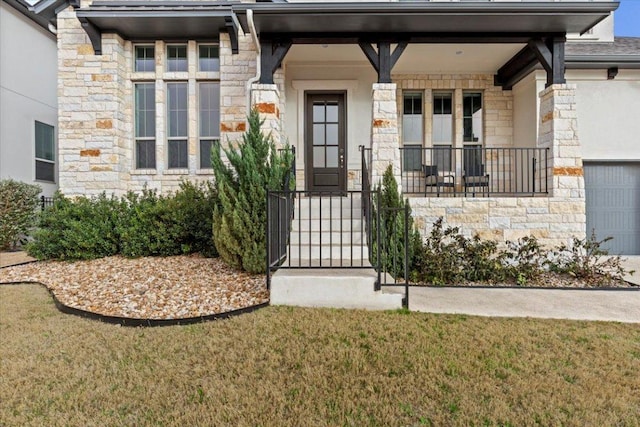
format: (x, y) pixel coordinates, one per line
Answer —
(325, 141)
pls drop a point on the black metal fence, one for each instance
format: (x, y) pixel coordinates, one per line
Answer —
(391, 250)
(45, 202)
(474, 170)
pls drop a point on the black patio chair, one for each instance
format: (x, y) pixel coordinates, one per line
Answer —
(475, 177)
(434, 180)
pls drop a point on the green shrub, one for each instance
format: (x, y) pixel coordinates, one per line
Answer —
(586, 259)
(525, 259)
(82, 228)
(447, 257)
(135, 225)
(18, 211)
(240, 216)
(181, 223)
(392, 226)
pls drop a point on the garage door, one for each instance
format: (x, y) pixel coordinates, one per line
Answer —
(613, 204)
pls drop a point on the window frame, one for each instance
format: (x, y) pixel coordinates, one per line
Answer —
(198, 57)
(176, 138)
(215, 139)
(168, 59)
(135, 57)
(409, 161)
(136, 137)
(474, 140)
(42, 159)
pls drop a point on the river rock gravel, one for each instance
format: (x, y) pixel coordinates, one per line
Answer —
(146, 288)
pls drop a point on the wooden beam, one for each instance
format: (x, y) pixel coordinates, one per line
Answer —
(384, 60)
(397, 52)
(94, 35)
(549, 53)
(271, 56)
(557, 64)
(521, 64)
(370, 53)
(543, 53)
(232, 30)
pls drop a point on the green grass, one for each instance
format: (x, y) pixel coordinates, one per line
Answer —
(290, 366)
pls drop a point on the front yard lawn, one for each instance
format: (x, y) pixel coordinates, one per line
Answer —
(291, 366)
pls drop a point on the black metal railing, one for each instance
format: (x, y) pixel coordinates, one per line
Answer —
(45, 202)
(327, 231)
(473, 170)
(392, 248)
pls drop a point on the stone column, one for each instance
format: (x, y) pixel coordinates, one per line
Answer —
(266, 99)
(558, 131)
(385, 138)
(92, 104)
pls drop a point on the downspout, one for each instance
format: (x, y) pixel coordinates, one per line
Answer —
(256, 42)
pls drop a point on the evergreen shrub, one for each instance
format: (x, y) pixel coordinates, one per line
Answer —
(392, 226)
(135, 225)
(18, 211)
(242, 179)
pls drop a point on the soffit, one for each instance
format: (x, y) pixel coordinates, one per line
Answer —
(425, 17)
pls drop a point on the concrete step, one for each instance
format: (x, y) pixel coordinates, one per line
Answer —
(329, 225)
(337, 288)
(335, 252)
(328, 263)
(335, 212)
(326, 237)
(316, 203)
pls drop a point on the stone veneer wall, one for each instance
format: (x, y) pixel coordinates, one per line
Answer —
(92, 111)
(95, 103)
(551, 220)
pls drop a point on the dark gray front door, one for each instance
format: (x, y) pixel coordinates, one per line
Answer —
(325, 141)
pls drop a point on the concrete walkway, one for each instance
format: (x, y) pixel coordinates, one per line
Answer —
(577, 304)
(621, 305)
(632, 262)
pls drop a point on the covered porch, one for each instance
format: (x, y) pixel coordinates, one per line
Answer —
(426, 87)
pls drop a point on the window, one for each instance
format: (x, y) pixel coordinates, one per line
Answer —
(145, 125)
(145, 59)
(177, 58)
(177, 119)
(472, 117)
(209, 111)
(208, 58)
(45, 152)
(412, 128)
(442, 130)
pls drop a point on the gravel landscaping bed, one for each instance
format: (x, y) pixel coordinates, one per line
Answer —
(146, 288)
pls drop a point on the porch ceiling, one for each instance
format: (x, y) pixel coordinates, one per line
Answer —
(417, 58)
(425, 17)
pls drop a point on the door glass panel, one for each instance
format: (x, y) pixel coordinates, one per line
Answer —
(332, 112)
(332, 157)
(318, 113)
(318, 157)
(318, 134)
(332, 134)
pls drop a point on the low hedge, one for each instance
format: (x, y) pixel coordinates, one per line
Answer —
(135, 225)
